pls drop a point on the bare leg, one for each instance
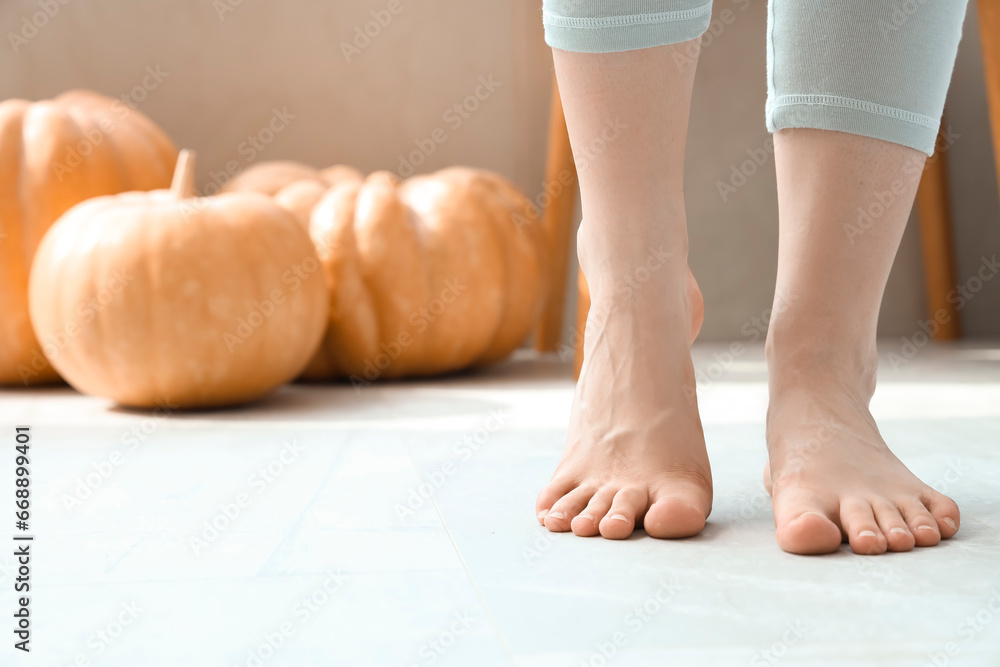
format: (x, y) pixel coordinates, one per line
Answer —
(635, 453)
(830, 474)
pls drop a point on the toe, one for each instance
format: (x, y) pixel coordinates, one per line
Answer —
(552, 492)
(803, 525)
(858, 522)
(945, 512)
(587, 523)
(677, 512)
(809, 533)
(921, 522)
(560, 516)
(893, 527)
(626, 507)
(673, 517)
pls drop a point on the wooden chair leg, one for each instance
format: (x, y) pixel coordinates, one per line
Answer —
(938, 246)
(989, 30)
(557, 222)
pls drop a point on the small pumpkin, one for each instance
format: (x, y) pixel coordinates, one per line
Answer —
(162, 298)
(425, 276)
(54, 154)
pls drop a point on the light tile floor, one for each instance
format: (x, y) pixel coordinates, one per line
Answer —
(328, 549)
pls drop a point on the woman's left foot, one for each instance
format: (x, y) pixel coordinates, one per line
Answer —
(831, 476)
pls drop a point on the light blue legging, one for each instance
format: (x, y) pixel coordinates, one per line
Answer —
(877, 68)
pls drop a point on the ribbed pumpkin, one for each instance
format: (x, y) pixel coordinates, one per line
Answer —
(157, 298)
(54, 154)
(426, 276)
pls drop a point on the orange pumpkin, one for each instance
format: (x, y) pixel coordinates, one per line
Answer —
(54, 154)
(157, 298)
(429, 275)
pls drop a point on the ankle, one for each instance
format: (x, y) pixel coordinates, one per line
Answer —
(623, 245)
(808, 358)
(633, 268)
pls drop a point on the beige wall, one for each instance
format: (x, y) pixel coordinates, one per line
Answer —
(227, 73)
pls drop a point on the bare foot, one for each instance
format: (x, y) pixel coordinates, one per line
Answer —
(635, 453)
(831, 476)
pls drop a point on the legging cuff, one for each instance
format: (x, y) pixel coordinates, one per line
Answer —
(843, 114)
(632, 29)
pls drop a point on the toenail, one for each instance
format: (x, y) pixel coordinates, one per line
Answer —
(925, 527)
(951, 523)
(619, 517)
(866, 533)
(585, 516)
(897, 529)
(556, 515)
(541, 515)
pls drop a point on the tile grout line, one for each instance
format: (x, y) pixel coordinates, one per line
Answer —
(465, 566)
(282, 544)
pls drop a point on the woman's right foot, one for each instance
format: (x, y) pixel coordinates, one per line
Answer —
(831, 476)
(635, 453)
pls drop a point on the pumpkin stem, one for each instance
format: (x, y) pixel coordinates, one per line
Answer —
(182, 186)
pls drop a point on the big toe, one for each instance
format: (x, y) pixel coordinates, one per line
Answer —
(679, 508)
(809, 533)
(672, 517)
